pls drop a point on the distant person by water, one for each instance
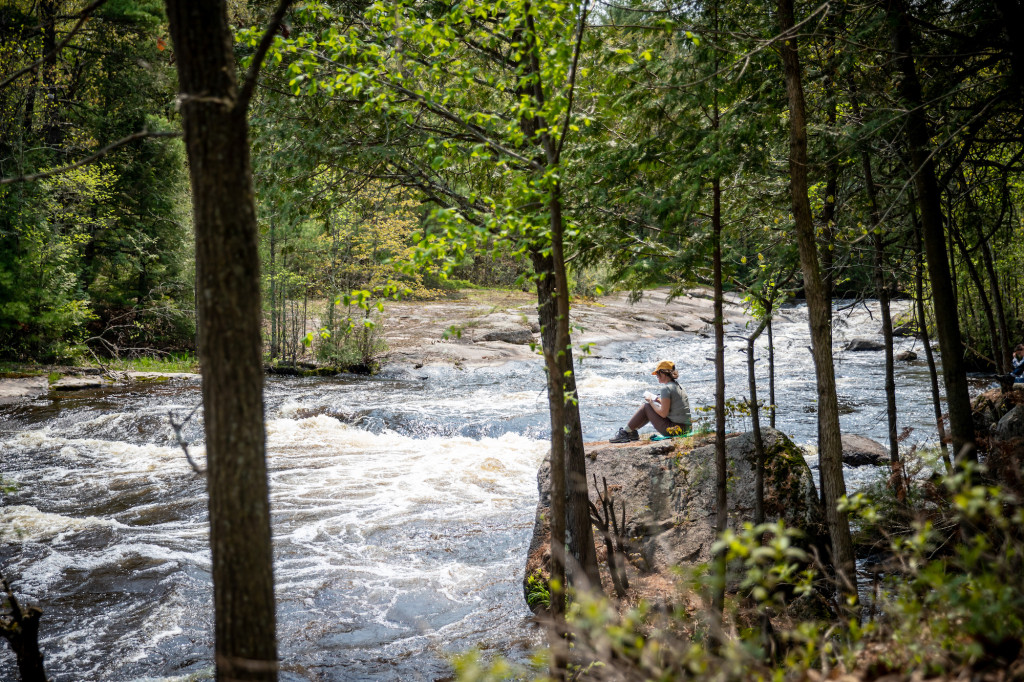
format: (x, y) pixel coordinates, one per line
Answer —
(1018, 364)
(668, 412)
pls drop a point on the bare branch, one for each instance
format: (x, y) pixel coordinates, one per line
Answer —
(245, 94)
(572, 80)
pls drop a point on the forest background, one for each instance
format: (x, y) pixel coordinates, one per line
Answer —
(100, 257)
(395, 144)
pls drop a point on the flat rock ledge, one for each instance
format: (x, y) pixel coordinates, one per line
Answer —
(668, 489)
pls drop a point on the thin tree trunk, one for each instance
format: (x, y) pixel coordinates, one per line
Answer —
(933, 374)
(1006, 350)
(943, 298)
(553, 309)
(771, 368)
(273, 296)
(890, 382)
(230, 351)
(48, 12)
(721, 471)
(819, 314)
(882, 292)
(986, 306)
(569, 498)
(755, 422)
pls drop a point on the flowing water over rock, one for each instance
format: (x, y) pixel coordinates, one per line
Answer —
(402, 503)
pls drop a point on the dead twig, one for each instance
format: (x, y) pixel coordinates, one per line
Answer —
(611, 530)
(178, 426)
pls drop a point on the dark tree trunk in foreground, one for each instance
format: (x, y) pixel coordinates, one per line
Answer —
(819, 314)
(553, 310)
(230, 349)
(20, 627)
(943, 297)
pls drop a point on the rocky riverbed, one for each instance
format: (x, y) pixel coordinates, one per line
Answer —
(492, 327)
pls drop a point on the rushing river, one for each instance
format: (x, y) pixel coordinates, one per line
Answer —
(402, 503)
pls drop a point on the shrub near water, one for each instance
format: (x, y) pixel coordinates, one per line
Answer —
(950, 603)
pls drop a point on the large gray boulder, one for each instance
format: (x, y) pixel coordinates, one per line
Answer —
(669, 496)
(860, 451)
(1011, 426)
(858, 345)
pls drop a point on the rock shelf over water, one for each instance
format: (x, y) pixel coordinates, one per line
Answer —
(668, 489)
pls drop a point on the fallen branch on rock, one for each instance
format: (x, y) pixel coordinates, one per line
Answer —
(20, 627)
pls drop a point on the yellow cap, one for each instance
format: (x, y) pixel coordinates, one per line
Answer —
(664, 366)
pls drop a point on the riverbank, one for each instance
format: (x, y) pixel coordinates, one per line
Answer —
(485, 327)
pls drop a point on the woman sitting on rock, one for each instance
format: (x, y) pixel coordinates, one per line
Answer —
(668, 413)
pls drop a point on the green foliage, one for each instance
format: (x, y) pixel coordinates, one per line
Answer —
(169, 362)
(351, 338)
(950, 601)
(80, 247)
(737, 416)
(537, 592)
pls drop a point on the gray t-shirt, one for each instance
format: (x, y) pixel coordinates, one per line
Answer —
(679, 407)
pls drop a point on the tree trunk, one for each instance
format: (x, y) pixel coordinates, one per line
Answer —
(755, 423)
(721, 472)
(1005, 342)
(553, 307)
(819, 314)
(986, 306)
(771, 369)
(273, 296)
(933, 375)
(882, 292)
(890, 381)
(48, 12)
(230, 351)
(943, 298)
(580, 534)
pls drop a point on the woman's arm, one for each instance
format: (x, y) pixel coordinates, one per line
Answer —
(661, 406)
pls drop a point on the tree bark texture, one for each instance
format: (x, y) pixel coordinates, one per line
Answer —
(926, 186)
(819, 313)
(230, 349)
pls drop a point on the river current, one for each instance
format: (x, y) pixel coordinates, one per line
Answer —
(402, 503)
